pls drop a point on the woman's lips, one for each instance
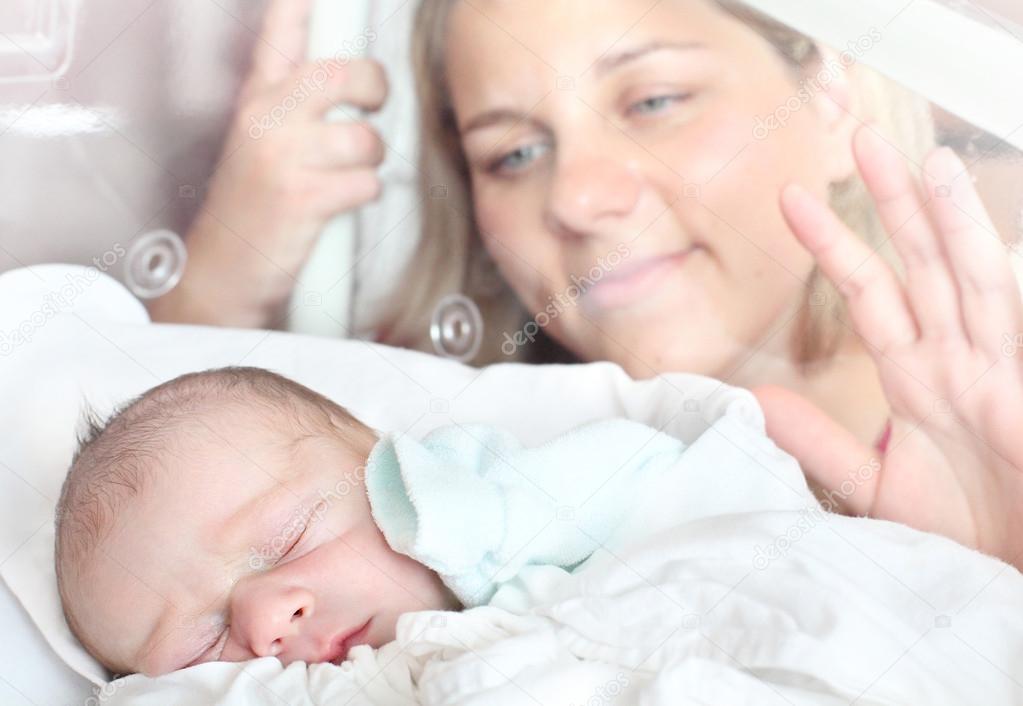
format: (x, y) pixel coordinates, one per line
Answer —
(355, 637)
(632, 281)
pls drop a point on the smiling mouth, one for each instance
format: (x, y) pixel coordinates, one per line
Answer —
(347, 642)
(632, 281)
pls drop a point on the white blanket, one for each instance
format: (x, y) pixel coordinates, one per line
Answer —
(787, 607)
(752, 597)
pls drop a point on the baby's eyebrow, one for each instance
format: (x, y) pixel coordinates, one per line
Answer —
(262, 517)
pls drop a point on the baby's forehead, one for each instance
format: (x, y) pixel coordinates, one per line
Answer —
(204, 462)
(211, 489)
(218, 450)
(243, 441)
(245, 418)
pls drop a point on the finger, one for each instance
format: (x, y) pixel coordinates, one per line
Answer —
(874, 295)
(930, 287)
(330, 194)
(336, 145)
(990, 295)
(361, 83)
(283, 43)
(828, 453)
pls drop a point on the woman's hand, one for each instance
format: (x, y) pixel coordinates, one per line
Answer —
(283, 174)
(945, 345)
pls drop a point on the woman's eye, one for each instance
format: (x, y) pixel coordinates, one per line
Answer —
(655, 104)
(517, 159)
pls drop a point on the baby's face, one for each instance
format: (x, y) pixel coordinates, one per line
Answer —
(240, 547)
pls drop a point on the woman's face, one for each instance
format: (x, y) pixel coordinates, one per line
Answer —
(626, 176)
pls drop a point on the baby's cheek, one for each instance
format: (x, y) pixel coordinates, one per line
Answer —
(234, 651)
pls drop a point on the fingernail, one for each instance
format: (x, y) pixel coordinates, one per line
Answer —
(950, 157)
(798, 196)
(942, 169)
(795, 191)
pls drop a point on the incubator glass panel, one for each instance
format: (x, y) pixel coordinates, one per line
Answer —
(1004, 14)
(963, 56)
(996, 165)
(997, 169)
(35, 37)
(112, 112)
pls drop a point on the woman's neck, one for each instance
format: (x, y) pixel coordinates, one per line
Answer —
(847, 387)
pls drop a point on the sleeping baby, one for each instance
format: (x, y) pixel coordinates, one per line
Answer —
(235, 514)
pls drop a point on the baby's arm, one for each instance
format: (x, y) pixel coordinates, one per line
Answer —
(476, 506)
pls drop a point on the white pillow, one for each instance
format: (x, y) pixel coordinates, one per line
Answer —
(96, 344)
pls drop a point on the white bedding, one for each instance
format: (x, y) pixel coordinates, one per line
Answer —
(70, 335)
(856, 611)
(753, 604)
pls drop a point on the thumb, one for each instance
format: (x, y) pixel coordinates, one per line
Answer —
(827, 451)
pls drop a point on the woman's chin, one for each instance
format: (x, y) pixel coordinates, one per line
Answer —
(642, 367)
(645, 352)
(675, 328)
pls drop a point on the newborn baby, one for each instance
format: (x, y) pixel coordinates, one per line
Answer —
(235, 514)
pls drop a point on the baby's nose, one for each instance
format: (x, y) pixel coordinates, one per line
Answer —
(270, 618)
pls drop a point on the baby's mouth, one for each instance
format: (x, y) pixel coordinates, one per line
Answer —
(343, 643)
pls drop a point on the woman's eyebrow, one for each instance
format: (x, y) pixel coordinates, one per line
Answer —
(493, 117)
(609, 62)
(604, 65)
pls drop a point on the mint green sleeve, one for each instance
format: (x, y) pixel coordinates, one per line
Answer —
(475, 505)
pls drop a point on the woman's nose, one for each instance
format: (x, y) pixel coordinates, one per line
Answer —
(591, 193)
(268, 618)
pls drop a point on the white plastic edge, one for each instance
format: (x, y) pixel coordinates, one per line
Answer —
(967, 67)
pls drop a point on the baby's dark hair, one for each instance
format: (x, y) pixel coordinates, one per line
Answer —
(115, 459)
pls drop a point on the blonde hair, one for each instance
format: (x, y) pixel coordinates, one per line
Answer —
(451, 256)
